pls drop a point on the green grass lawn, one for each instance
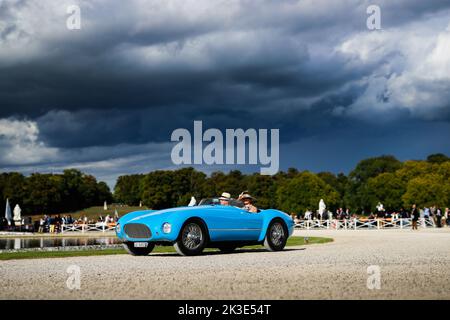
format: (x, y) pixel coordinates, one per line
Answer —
(94, 212)
(292, 241)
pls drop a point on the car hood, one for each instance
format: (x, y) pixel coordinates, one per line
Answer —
(147, 216)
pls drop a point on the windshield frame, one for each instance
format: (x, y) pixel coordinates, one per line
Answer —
(216, 202)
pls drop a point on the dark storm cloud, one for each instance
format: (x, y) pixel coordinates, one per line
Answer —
(138, 70)
(87, 70)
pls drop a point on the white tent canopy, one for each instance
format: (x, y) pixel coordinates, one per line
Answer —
(8, 214)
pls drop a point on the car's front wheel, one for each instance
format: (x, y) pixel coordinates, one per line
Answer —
(139, 250)
(276, 236)
(192, 239)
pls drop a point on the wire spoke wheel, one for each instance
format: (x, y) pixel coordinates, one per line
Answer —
(192, 236)
(277, 234)
(192, 239)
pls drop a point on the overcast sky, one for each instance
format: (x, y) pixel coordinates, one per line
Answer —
(106, 98)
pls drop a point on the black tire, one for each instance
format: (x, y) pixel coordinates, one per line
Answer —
(276, 236)
(192, 239)
(227, 249)
(129, 246)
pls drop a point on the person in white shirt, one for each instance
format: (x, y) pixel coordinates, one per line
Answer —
(248, 202)
(308, 215)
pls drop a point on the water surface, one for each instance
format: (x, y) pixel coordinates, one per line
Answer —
(46, 242)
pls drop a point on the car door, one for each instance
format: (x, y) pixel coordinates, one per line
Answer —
(250, 224)
(228, 223)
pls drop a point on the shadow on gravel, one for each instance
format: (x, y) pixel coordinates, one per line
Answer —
(213, 253)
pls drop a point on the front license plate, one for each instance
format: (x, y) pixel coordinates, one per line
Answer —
(140, 244)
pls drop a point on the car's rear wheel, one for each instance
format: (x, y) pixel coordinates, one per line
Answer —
(138, 251)
(227, 249)
(276, 236)
(192, 239)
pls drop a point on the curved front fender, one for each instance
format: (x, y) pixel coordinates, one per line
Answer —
(132, 215)
(269, 215)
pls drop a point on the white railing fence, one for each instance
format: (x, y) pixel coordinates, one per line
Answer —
(87, 227)
(334, 224)
(360, 223)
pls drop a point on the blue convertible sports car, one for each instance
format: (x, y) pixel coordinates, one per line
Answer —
(191, 229)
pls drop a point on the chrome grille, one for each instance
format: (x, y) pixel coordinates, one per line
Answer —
(137, 231)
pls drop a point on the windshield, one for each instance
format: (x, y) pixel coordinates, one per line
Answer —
(215, 201)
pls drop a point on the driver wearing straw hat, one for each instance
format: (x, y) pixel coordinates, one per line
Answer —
(248, 200)
(225, 199)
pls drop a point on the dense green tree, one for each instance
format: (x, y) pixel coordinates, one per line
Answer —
(386, 188)
(444, 170)
(291, 173)
(438, 158)
(338, 182)
(186, 183)
(372, 167)
(413, 169)
(53, 193)
(103, 193)
(157, 189)
(72, 182)
(233, 182)
(88, 191)
(12, 187)
(304, 192)
(263, 188)
(45, 193)
(428, 190)
(366, 169)
(128, 189)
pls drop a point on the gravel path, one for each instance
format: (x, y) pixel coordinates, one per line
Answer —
(412, 265)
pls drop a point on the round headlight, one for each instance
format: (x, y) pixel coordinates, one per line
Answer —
(118, 228)
(167, 227)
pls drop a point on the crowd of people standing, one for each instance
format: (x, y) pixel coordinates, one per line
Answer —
(433, 214)
(53, 224)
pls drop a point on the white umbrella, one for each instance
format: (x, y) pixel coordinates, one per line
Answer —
(105, 206)
(140, 204)
(116, 214)
(8, 214)
(17, 214)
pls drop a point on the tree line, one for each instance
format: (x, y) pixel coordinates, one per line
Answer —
(394, 183)
(53, 193)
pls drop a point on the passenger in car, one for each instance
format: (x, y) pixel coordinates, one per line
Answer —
(248, 200)
(225, 199)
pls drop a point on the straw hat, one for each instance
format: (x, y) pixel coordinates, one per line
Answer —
(246, 196)
(225, 196)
